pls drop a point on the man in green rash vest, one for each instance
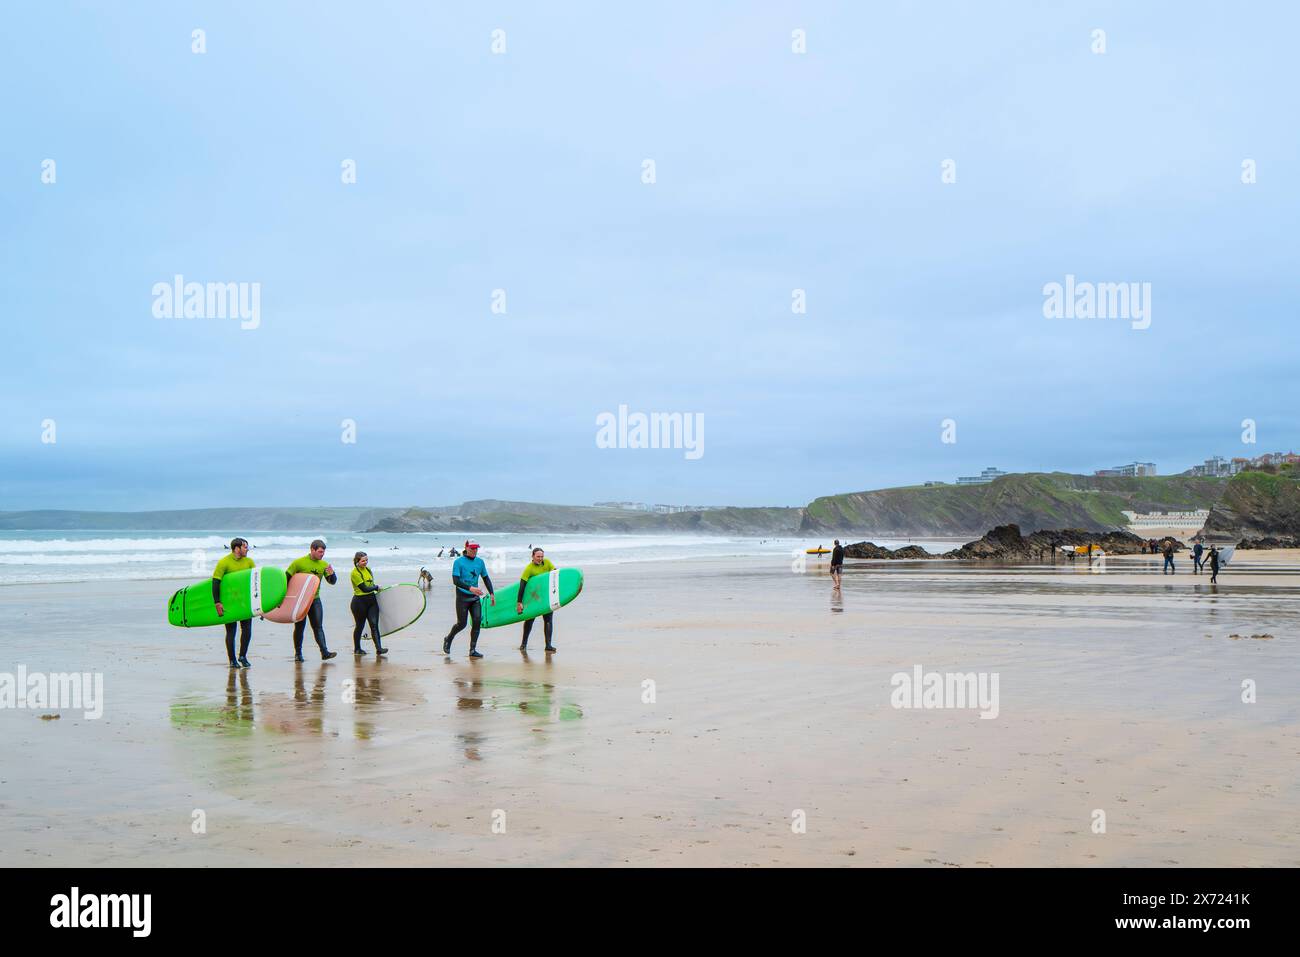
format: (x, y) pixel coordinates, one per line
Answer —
(539, 565)
(313, 562)
(236, 561)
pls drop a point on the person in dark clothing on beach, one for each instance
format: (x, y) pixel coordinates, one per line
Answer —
(313, 563)
(1169, 557)
(837, 563)
(465, 574)
(1197, 549)
(365, 605)
(1213, 562)
(538, 565)
(237, 560)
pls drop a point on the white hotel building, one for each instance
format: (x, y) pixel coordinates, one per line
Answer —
(1192, 521)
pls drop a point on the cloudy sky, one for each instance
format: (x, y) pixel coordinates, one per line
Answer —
(524, 171)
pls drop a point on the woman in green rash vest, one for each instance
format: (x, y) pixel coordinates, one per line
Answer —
(236, 561)
(313, 562)
(540, 565)
(365, 604)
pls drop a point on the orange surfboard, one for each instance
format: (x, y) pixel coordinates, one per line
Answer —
(297, 601)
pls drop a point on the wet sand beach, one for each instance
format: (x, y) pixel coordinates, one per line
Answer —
(1119, 692)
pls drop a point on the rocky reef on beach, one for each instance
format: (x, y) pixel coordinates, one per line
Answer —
(1006, 544)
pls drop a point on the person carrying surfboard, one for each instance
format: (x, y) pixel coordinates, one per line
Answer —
(365, 604)
(237, 560)
(1212, 561)
(539, 565)
(313, 562)
(466, 570)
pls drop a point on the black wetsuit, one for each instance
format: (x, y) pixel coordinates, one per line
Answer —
(245, 628)
(548, 619)
(837, 559)
(468, 606)
(365, 611)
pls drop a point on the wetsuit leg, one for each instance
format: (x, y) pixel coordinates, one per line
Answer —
(476, 613)
(230, 641)
(316, 618)
(548, 627)
(359, 620)
(245, 637)
(299, 627)
(462, 613)
(372, 619)
(528, 630)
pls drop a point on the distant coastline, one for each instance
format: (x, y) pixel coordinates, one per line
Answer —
(1252, 503)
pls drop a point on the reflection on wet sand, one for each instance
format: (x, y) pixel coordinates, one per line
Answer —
(535, 699)
(306, 710)
(233, 716)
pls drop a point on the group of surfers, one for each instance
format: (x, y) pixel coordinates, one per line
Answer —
(466, 573)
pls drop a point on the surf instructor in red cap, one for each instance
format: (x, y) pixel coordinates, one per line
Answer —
(465, 573)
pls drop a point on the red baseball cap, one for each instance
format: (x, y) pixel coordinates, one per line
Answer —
(471, 544)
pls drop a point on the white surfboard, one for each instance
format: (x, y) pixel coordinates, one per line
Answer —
(400, 606)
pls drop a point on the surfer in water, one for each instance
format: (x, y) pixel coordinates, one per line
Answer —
(465, 573)
(365, 604)
(837, 563)
(540, 565)
(313, 562)
(237, 559)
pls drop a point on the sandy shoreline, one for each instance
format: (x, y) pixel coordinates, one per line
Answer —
(1118, 691)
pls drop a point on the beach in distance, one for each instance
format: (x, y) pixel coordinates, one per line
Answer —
(715, 708)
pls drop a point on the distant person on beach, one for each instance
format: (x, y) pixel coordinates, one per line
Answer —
(1169, 557)
(465, 573)
(237, 560)
(1212, 561)
(365, 604)
(314, 563)
(539, 565)
(837, 563)
(1053, 553)
(453, 553)
(1197, 549)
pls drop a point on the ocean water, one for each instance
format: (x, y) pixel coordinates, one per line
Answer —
(30, 557)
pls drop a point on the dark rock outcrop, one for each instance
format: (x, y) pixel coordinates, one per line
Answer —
(1006, 544)
(1257, 505)
(1270, 541)
(871, 550)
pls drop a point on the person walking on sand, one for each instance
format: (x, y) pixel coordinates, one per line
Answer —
(539, 565)
(1169, 557)
(237, 560)
(465, 573)
(1213, 562)
(365, 604)
(837, 563)
(314, 563)
(1197, 549)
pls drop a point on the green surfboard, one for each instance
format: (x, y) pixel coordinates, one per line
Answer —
(245, 594)
(542, 594)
